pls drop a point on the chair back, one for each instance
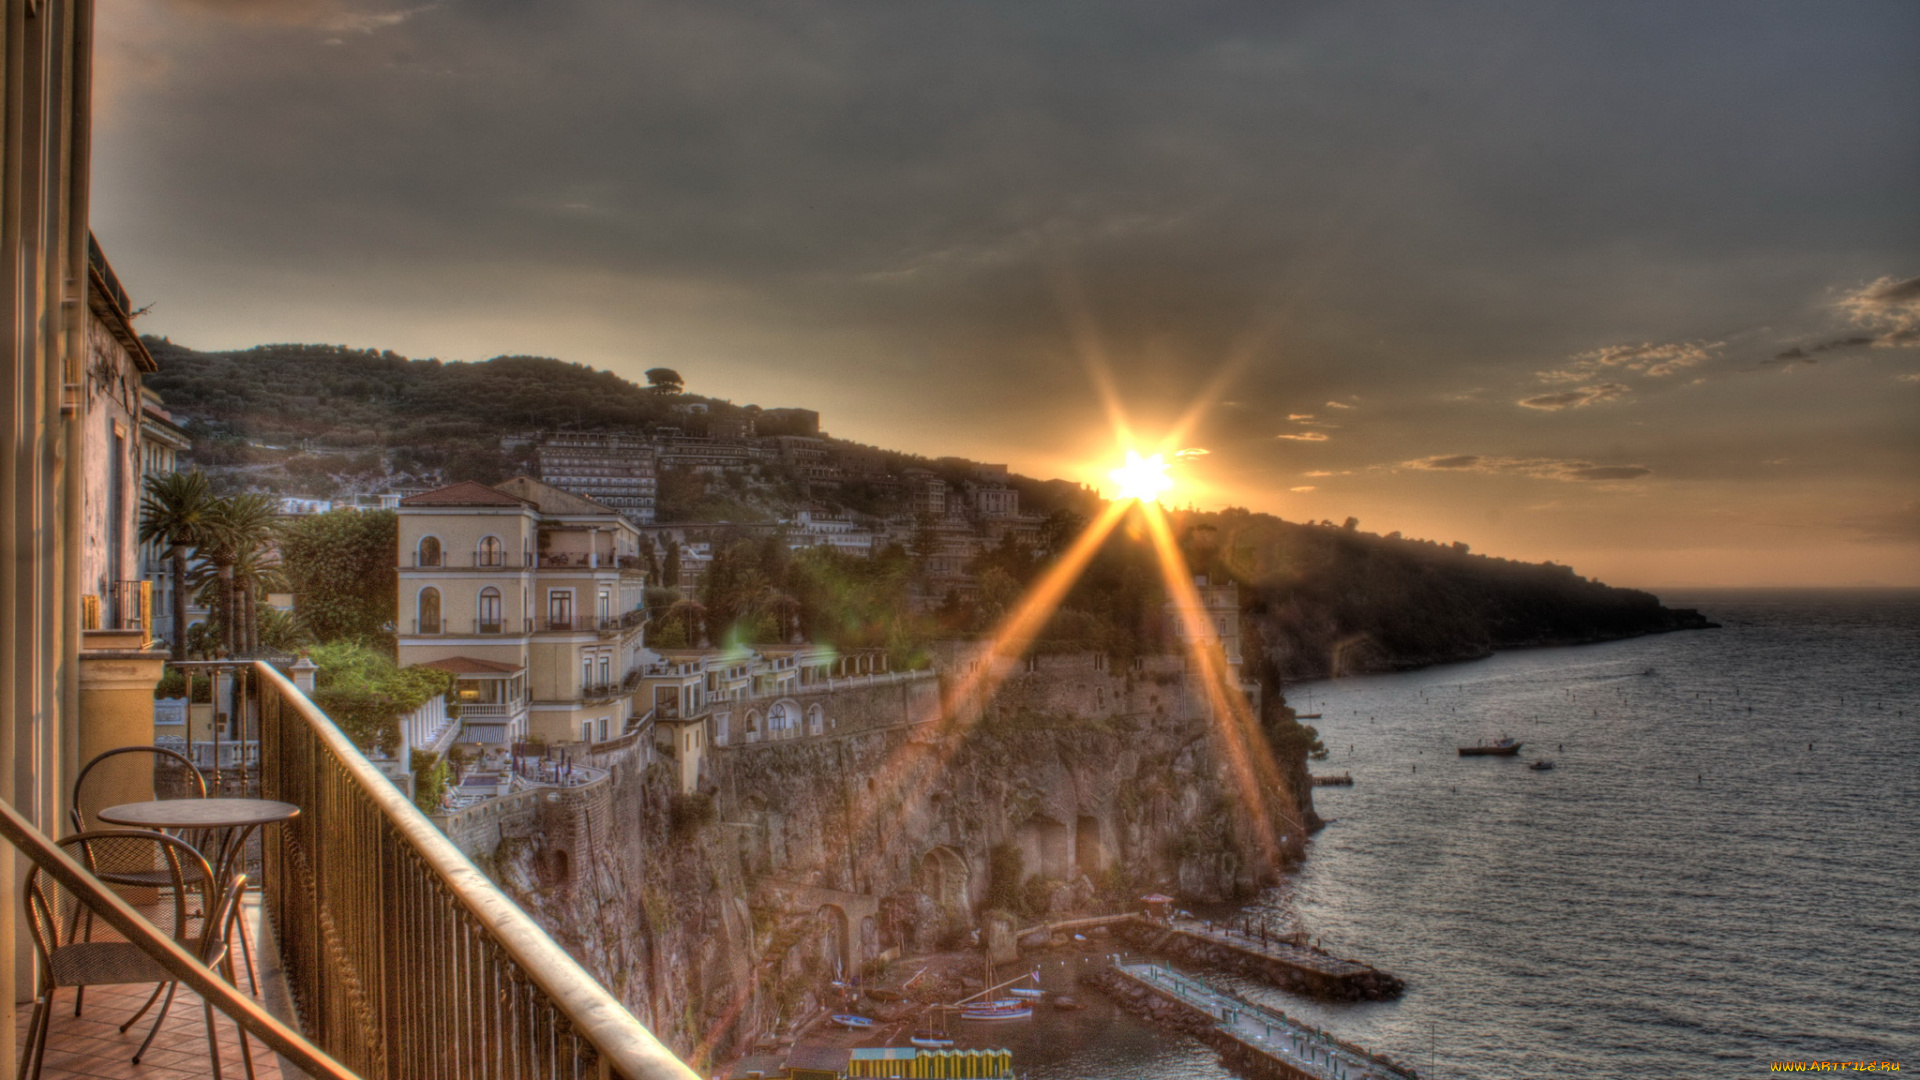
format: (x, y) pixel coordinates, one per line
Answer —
(177, 893)
(132, 774)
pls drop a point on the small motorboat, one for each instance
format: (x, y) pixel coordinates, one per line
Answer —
(1498, 748)
(848, 1020)
(1542, 765)
(1306, 716)
(1001, 1009)
(1030, 993)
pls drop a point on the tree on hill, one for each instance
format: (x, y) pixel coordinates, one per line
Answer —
(664, 380)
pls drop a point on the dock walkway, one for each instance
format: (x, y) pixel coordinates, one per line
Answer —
(1289, 966)
(1255, 1041)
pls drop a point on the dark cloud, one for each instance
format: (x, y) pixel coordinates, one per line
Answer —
(871, 209)
(1457, 461)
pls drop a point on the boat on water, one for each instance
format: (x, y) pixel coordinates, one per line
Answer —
(1306, 716)
(848, 1020)
(1496, 748)
(1001, 1009)
(1542, 765)
(1025, 992)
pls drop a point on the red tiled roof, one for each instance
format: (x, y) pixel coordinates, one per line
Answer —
(464, 493)
(467, 665)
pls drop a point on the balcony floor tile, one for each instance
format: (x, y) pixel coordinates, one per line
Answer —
(90, 1046)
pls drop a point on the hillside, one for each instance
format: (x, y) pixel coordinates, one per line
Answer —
(1318, 599)
(1323, 600)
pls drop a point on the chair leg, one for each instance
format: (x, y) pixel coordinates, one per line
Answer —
(246, 1051)
(79, 993)
(157, 1021)
(151, 998)
(213, 1040)
(26, 1067)
(246, 947)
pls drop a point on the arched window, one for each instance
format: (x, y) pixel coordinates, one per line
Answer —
(489, 611)
(816, 719)
(429, 551)
(429, 611)
(753, 726)
(491, 553)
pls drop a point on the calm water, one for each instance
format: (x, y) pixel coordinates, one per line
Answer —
(1692, 892)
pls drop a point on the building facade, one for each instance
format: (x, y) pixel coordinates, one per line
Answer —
(617, 471)
(534, 597)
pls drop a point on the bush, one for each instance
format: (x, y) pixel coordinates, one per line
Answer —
(430, 779)
(365, 694)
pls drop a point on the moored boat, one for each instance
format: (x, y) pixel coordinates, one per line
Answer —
(1542, 765)
(848, 1020)
(1498, 748)
(1002, 1009)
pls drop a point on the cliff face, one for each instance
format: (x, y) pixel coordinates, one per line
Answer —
(720, 916)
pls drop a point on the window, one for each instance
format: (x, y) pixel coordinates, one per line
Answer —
(605, 727)
(606, 671)
(586, 731)
(560, 609)
(490, 610)
(429, 551)
(586, 672)
(492, 552)
(606, 605)
(429, 611)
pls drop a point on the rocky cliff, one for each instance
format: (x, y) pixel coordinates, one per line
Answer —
(721, 917)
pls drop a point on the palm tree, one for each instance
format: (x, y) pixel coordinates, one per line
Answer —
(238, 528)
(256, 572)
(174, 510)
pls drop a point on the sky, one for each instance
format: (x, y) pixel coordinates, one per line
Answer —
(1634, 287)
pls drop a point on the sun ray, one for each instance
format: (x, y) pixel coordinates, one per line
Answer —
(1254, 773)
(1093, 354)
(962, 705)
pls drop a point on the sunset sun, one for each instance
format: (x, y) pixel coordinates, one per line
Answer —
(1142, 478)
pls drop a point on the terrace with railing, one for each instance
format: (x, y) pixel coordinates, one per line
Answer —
(401, 959)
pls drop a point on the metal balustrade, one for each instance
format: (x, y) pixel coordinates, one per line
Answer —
(404, 960)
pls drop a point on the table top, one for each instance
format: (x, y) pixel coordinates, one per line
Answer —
(198, 813)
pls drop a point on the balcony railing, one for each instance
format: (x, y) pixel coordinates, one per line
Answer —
(404, 960)
(473, 560)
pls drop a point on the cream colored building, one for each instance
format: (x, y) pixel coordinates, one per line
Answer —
(534, 597)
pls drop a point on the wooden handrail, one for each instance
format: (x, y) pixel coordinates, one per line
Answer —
(179, 963)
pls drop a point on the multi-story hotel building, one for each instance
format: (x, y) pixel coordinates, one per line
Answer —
(534, 598)
(616, 471)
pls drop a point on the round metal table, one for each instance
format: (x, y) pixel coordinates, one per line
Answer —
(233, 819)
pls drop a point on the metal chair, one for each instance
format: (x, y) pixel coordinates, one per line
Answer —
(173, 776)
(74, 951)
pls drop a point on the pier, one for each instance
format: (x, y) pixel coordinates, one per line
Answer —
(1281, 962)
(1254, 1041)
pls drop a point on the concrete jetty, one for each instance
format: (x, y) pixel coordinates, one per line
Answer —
(1278, 961)
(1254, 1041)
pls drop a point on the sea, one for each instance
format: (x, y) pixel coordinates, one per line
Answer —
(1721, 871)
